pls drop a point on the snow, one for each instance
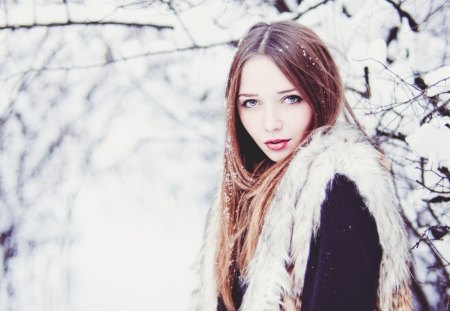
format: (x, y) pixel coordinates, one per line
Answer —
(438, 81)
(371, 54)
(431, 141)
(114, 218)
(131, 257)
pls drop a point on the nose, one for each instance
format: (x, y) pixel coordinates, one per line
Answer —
(272, 120)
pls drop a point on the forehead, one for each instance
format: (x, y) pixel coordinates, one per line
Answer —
(261, 74)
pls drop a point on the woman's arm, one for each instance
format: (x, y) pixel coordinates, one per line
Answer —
(344, 262)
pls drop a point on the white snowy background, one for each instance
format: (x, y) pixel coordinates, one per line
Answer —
(112, 133)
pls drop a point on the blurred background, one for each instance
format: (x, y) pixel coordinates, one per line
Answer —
(112, 133)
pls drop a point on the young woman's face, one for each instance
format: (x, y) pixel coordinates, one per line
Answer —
(272, 111)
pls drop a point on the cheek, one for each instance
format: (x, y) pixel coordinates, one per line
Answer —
(301, 121)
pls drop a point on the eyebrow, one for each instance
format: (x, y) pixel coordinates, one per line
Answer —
(280, 92)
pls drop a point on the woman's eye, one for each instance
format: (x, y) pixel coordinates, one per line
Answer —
(292, 99)
(249, 103)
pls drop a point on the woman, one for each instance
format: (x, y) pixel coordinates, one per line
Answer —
(305, 218)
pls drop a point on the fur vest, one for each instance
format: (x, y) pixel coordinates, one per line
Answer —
(293, 218)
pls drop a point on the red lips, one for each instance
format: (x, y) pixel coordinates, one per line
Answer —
(277, 144)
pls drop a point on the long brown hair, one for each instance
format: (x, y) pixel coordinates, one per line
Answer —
(250, 177)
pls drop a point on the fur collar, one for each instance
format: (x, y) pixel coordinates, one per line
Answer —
(294, 217)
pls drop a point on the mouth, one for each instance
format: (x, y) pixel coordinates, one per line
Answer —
(276, 144)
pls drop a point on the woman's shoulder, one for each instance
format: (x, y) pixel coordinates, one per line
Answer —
(341, 138)
(343, 148)
(340, 145)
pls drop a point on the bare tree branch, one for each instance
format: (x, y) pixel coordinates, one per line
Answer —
(398, 136)
(281, 6)
(122, 59)
(71, 23)
(310, 9)
(412, 23)
(186, 30)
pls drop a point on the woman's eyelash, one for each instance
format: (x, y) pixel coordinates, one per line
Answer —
(298, 98)
(244, 103)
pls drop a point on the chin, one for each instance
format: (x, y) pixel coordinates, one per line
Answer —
(277, 157)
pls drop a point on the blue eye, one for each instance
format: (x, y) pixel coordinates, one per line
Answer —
(293, 99)
(249, 103)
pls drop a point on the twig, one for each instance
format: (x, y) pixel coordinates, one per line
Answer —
(70, 23)
(118, 60)
(300, 14)
(412, 23)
